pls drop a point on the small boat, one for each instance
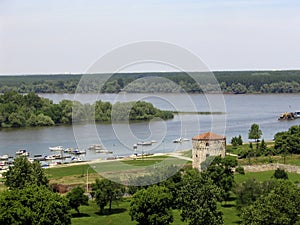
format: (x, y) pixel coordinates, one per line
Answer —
(177, 140)
(180, 140)
(185, 139)
(144, 143)
(4, 157)
(104, 151)
(56, 148)
(68, 150)
(78, 152)
(95, 147)
(22, 152)
(297, 114)
(286, 116)
(76, 159)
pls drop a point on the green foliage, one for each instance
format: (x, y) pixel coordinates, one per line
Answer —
(240, 170)
(152, 206)
(18, 110)
(24, 173)
(255, 133)
(198, 198)
(278, 207)
(105, 192)
(33, 205)
(250, 190)
(280, 174)
(288, 141)
(76, 198)
(221, 172)
(237, 82)
(235, 141)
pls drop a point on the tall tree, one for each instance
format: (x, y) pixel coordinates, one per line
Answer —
(221, 173)
(33, 205)
(105, 192)
(76, 198)
(24, 173)
(152, 206)
(255, 133)
(198, 198)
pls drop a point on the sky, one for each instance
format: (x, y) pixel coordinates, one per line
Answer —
(60, 36)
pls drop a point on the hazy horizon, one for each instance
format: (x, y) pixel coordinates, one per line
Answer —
(58, 37)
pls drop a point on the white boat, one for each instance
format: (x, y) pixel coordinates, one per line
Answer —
(297, 114)
(56, 148)
(104, 151)
(180, 140)
(145, 143)
(68, 150)
(78, 152)
(76, 159)
(4, 157)
(95, 147)
(177, 140)
(22, 152)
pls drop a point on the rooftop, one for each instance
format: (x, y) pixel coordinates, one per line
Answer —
(209, 136)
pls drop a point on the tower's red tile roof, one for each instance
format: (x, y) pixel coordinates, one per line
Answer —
(209, 136)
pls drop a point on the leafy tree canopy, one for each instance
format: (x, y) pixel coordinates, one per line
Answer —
(24, 173)
(33, 205)
(152, 206)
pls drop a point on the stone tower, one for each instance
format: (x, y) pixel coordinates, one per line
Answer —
(207, 144)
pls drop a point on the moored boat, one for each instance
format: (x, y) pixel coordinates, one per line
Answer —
(56, 148)
(145, 143)
(95, 147)
(104, 151)
(22, 152)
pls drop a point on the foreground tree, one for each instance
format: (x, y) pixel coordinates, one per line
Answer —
(105, 192)
(152, 206)
(76, 198)
(198, 198)
(278, 207)
(255, 133)
(33, 205)
(24, 173)
(221, 172)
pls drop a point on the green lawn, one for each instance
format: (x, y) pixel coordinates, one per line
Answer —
(262, 176)
(119, 215)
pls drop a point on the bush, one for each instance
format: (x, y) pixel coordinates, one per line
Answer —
(240, 170)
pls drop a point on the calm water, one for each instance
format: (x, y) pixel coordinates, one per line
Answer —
(241, 112)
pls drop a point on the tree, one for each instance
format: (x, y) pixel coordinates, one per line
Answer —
(278, 207)
(33, 205)
(221, 172)
(263, 147)
(76, 198)
(105, 192)
(255, 133)
(152, 206)
(250, 190)
(280, 174)
(24, 173)
(198, 198)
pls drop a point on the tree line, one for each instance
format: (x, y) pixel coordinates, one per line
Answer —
(17, 110)
(237, 82)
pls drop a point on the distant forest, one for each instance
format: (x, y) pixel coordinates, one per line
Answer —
(235, 82)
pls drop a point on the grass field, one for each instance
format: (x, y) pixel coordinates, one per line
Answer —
(120, 213)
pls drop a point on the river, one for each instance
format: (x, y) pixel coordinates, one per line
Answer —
(238, 113)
